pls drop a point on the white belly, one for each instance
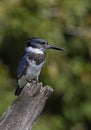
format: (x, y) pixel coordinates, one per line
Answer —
(33, 70)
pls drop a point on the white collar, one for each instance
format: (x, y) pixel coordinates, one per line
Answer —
(33, 50)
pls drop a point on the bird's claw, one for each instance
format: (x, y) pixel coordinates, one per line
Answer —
(33, 81)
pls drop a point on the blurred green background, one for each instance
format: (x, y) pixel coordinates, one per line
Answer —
(64, 23)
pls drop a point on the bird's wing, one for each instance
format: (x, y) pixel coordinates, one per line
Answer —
(22, 66)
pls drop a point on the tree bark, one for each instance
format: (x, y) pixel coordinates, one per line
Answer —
(25, 110)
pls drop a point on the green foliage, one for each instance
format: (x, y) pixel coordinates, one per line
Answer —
(6, 88)
(63, 23)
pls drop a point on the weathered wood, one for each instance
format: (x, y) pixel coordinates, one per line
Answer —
(24, 111)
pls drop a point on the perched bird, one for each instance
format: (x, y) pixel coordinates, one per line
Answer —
(32, 61)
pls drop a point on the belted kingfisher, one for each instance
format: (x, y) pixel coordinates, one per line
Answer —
(32, 61)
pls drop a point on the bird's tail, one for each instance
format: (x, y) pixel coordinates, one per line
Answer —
(18, 90)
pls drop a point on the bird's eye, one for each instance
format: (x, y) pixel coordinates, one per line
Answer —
(43, 42)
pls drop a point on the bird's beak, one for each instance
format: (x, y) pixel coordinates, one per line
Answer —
(54, 47)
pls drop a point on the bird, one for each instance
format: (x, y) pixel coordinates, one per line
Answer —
(32, 61)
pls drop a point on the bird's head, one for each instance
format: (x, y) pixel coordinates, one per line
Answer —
(38, 45)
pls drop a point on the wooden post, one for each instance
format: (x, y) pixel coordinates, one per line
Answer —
(25, 110)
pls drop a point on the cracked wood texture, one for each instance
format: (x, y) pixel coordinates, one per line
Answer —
(25, 110)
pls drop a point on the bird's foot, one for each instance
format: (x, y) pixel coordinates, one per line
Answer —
(33, 81)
